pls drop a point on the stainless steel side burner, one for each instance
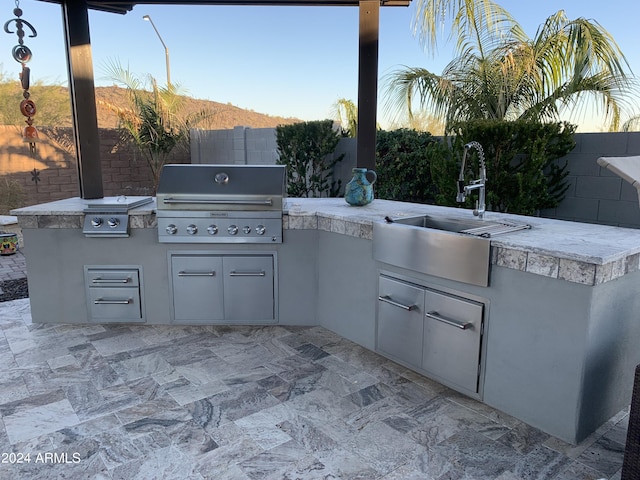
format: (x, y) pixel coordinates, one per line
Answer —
(109, 217)
(220, 203)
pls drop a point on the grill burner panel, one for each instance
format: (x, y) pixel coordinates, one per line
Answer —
(219, 227)
(108, 217)
(106, 224)
(220, 203)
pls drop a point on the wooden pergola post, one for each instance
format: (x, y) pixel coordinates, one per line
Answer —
(368, 83)
(83, 97)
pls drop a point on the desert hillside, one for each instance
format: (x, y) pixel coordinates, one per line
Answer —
(54, 110)
(220, 115)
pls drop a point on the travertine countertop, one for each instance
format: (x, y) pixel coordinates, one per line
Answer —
(577, 252)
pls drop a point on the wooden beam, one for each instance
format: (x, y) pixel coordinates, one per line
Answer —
(125, 6)
(368, 83)
(83, 97)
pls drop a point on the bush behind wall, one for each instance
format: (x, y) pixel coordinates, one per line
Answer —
(523, 176)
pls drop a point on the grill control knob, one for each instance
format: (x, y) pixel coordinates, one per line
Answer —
(96, 222)
(171, 229)
(246, 230)
(260, 229)
(232, 229)
(192, 229)
(113, 222)
(212, 229)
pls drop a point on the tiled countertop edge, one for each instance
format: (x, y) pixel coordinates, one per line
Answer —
(569, 270)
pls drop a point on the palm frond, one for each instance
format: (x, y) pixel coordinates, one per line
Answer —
(500, 73)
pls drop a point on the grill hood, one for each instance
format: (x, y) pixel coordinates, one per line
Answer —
(221, 187)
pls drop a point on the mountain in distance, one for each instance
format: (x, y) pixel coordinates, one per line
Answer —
(54, 100)
(221, 116)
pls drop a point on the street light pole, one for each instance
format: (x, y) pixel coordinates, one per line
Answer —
(166, 50)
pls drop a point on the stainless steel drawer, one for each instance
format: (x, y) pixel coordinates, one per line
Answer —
(115, 304)
(113, 293)
(452, 339)
(112, 277)
(400, 320)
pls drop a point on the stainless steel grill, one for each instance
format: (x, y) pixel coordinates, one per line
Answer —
(220, 203)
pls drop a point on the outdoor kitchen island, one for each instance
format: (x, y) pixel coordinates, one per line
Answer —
(559, 330)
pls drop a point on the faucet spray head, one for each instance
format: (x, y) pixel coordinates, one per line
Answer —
(461, 196)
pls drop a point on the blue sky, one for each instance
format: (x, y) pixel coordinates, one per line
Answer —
(286, 61)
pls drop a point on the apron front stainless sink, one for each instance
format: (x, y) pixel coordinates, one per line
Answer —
(481, 228)
(451, 248)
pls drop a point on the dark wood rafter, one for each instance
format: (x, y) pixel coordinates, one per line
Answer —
(82, 88)
(124, 6)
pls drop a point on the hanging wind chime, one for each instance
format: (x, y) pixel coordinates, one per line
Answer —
(22, 54)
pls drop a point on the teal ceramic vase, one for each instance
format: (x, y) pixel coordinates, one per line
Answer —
(359, 190)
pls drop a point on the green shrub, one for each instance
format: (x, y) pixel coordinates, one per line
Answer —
(403, 165)
(11, 195)
(523, 174)
(305, 148)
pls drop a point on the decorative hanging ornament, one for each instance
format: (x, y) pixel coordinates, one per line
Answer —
(22, 54)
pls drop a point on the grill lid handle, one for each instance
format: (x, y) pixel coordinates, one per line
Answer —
(203, 201)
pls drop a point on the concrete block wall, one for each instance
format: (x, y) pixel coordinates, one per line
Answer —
(239, 146)
(595, 194)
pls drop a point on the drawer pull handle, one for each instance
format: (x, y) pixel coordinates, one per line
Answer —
(101, 301)
(449, 321)
(387, 299)
(111, 280)
(196, 274)
(234, 273)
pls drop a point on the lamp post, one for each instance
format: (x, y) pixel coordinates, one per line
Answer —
(166, 50)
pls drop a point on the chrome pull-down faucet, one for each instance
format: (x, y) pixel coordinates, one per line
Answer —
(479, 184)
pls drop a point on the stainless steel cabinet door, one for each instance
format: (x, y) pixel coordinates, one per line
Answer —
(248, 288)
(452, 339)
(400, 320)
(197, 288)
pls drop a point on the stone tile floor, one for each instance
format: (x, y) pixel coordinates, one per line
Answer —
(178, 402)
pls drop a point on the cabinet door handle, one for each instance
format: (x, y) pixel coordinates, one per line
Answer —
(234, 273)
(111, 280)
(449, 321)
(101, 301)
(387, 299)
(196, 274)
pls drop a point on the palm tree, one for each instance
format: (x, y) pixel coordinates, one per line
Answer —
(153, 121)
(345, 112)
(632, 124)
(501, 73)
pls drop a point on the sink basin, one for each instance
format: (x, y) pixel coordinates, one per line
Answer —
(481, 228)
(451, 248)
